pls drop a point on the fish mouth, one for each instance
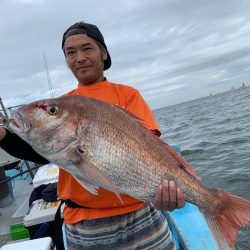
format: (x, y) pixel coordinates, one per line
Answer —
(17, 123)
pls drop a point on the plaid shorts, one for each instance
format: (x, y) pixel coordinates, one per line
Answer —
(143, 229)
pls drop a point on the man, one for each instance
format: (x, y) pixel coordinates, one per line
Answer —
(101, 222)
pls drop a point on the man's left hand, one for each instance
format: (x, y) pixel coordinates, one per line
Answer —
(168, 197)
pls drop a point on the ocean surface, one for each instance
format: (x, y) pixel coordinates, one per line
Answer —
(214, 135)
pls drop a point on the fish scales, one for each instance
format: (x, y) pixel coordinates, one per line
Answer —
(118, 160)
(126, 150)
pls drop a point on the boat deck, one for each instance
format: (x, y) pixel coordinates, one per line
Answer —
(14, 212)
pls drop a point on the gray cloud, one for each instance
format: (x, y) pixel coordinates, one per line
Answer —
(171, 50)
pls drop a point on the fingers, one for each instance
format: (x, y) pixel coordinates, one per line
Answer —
(158, 198)
(168, 196)
(172, 196)
(165, 198)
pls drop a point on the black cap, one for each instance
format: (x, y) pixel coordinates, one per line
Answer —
(91, 31)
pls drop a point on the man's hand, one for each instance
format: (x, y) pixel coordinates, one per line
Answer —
(2, 133)
(168, 197)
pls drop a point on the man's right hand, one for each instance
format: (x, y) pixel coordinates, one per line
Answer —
(2, 133)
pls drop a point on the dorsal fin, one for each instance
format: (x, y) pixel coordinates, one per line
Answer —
(139, 120)
(182, 162)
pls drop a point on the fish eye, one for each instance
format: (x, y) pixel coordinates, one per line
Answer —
(52, 110)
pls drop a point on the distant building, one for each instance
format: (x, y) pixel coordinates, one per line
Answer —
(243, 86)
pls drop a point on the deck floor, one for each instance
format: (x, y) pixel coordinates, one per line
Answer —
(15, 212)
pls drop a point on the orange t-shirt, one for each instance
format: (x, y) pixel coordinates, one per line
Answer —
(104, 204)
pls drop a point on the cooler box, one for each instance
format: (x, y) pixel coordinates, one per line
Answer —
(41, 244)
(46, 174)
(40, 212)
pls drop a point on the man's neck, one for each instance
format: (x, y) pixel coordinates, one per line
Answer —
(92, 83)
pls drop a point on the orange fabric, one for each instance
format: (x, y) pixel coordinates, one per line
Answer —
(104, 204)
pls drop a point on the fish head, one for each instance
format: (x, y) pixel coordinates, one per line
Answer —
(49, 126)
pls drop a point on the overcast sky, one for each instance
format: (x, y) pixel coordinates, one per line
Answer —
(170, 50)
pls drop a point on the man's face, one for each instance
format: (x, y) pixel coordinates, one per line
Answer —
(85, 58)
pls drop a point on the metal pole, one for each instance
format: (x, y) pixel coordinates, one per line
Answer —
(3, 108)
(3, 116)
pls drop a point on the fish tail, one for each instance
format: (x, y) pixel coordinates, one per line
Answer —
(231, 213)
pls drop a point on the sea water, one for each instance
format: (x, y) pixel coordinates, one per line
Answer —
(214, 135)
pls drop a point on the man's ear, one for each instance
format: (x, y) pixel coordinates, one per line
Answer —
(104, 54)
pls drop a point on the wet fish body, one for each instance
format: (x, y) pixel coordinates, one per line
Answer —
(102, 145)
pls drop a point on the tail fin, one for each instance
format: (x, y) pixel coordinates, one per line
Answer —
(232, 213)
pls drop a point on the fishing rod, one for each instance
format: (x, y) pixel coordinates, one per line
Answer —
(21, 173)
(48, 76)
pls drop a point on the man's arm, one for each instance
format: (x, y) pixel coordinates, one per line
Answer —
(15, 146)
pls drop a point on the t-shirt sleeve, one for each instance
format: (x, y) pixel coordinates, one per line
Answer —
(138, 106)
(18, 148)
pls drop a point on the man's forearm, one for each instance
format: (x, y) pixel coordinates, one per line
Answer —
(15, 146)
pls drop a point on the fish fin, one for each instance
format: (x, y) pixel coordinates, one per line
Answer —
(88, 186)
(93, 174)
(138, 119)
(182, 162)
(234, 213)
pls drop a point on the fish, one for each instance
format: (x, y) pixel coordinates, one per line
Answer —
(103, 145)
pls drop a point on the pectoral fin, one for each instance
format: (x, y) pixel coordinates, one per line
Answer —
(94, 176)
(90, 187)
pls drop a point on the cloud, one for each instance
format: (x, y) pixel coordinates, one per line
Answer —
(172, 51)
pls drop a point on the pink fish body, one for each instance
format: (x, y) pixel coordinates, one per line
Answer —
(102, 145)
